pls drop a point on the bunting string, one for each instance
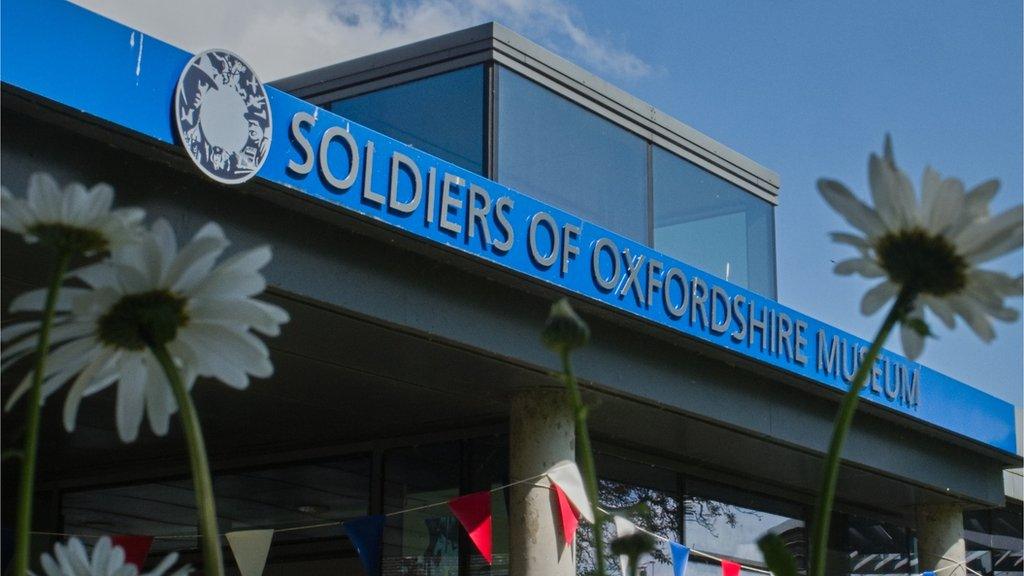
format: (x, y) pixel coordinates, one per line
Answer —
(532, 481)
(438, 504)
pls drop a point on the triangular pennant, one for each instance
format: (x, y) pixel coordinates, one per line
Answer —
(730, 568)
(565, 510)
(474, 513)
(136, 547)
(623, 528)
(367, 534)
(680, 554)
(568, 478)
(250, 548)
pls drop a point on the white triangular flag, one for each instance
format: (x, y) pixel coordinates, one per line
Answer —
(250, 548)
(624, 527)
(568, 478)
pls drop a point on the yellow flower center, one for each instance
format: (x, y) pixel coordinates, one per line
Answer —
(139, 320)
(921, 262)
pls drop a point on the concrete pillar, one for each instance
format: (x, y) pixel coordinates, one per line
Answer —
(940, 538)
(541, 433)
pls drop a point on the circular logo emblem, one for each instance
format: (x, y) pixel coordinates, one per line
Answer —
(223, 116)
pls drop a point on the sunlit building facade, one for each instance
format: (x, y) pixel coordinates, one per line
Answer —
(412, 371)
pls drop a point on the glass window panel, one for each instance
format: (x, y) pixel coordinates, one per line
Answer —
(422, 541)
(875, 547)
(487, 469)
(443, 115)
(712, 224)
(995, 540)
(728, 523)
(561, 153)
(292, 495)
(647, 495)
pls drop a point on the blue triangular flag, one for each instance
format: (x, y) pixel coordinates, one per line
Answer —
(366, 534)
(6, 547)
(680, 554)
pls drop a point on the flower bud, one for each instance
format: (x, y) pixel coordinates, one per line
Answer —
(564, 329)
(633, 546)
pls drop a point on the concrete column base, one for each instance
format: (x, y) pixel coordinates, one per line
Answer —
(940, 538)
(541, 434)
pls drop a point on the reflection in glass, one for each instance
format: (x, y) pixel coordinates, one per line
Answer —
(995, 540)
(647, 495)
(422, 542)
(298, 494)
(712, 224)
(443, 115)
(874, 547)
(732, 531)
(563, 154)
(487, 469)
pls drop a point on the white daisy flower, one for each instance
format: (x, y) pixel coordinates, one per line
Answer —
(931, 250)
(76, 219)
(73, 559)
(153, 295)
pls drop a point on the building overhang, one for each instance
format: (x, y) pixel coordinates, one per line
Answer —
(666, 376)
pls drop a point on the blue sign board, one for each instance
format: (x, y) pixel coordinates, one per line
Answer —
(66, 54)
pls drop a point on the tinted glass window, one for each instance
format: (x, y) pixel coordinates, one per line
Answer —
(558, 152)
(874, 548)
(712, 224)
(995, 540)
(728, 523)
(443, 115)
(289, 496)
(423, 541)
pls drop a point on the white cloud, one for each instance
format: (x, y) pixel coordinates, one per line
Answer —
(280, 38)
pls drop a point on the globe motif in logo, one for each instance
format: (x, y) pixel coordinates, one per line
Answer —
(223, 116)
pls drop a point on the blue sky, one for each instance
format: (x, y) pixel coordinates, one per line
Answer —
(810, 88)
(806, 88)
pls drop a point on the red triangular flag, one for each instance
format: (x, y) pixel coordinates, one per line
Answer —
(136, 548)
(569, 518)
(474, 513)
(730, 568)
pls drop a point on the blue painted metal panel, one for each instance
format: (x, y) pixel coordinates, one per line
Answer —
(72, 56)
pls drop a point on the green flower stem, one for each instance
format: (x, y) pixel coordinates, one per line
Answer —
(213, 563)
(827, 493)
(26, 491)
(587, 455)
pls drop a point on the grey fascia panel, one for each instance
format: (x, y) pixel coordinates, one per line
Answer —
(494, 42)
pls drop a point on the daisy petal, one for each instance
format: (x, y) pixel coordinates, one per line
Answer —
(858, 242)
(35, 300)
(849, 207)
(947, 206)
(863, 266)
(941, 309)
(982, 235)
(977, 200)
(160, 402)
(913, 343)
(876, 297)
(80, 385)
(131, 398)
(974, 316)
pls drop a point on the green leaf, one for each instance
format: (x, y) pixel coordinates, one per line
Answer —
(780, 561)
(10, 454)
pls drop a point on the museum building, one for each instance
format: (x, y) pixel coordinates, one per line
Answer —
(425, 206)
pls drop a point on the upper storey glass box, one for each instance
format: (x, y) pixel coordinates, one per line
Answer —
(496, 104)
